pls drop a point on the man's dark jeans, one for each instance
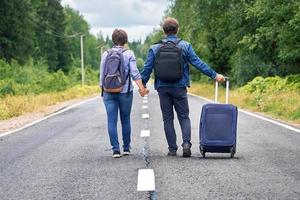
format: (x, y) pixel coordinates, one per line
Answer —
(175, 97)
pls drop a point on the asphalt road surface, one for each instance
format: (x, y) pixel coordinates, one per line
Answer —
(68, 156)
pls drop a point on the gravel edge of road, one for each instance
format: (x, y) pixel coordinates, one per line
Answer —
(23, 120)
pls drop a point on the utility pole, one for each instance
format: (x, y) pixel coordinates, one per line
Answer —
(82, 63)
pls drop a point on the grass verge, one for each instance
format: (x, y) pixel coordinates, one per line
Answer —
(283, 105)
(13, 106)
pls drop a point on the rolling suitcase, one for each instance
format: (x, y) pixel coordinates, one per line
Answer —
(218, 125)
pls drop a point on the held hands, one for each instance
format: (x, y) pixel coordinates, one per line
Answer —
(220, 78)
(143, 91)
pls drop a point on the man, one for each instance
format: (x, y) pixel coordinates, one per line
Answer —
(172, 91)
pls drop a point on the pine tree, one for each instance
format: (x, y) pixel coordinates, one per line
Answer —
(16, 30)
(52, 41)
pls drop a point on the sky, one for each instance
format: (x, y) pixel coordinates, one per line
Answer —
(137, 17)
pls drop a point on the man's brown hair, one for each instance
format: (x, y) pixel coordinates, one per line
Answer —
(170, 26)
(119, 37)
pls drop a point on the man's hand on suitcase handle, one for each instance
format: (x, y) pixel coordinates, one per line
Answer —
(220, 78)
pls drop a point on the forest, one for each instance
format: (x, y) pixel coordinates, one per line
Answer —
(45, 31)
(240, 38)
(254, 42)
(40, 47)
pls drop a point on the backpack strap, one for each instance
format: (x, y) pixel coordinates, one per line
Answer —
(175, 43)
(159, 42)
(178, 41)
(123, 50)
(129, 81)
(109, 51)
(128, 75)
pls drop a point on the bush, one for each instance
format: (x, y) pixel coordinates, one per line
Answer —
(6, 89)
(273, 85)
(140, 64)
(5, 70)
(246, 67)
(276, 96)
(293, 81)
(57, 81)
(34, 78)
(91, 76)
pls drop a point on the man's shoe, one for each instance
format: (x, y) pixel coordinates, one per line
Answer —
(126, 153)
(186, 150)
(172, 153)
(116, 154)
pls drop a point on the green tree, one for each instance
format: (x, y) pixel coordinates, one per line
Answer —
(17, 30)
(242, 38)
(52, 43)
(76, 26)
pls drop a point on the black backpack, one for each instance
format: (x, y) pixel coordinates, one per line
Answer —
(168, 64)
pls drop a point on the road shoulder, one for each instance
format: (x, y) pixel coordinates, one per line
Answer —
(20, 121)
(261, 115)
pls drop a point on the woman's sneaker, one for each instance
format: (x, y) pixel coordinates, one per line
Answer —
(172, 153)
(126, 153)
(116, 154)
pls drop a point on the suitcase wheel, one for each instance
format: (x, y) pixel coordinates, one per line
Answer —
(202, 151)
(203, 154)
(232, 152)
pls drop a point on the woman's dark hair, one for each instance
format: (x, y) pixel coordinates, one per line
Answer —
(170, 26)
(119, 37)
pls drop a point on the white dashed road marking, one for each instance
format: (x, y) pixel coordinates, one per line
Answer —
(145, 133)
(145, 116)
(146, 180)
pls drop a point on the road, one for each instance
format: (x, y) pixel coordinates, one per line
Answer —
(68, 157)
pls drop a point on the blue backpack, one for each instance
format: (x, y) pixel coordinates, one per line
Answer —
(114, 76)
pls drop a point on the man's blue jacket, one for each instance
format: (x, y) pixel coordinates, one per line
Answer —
(189, 56)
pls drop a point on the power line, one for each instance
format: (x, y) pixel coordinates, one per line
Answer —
(52, 29)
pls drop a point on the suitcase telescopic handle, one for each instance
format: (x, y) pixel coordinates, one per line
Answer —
(227, 90)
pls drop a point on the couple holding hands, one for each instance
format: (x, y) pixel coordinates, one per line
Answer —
(172, 91)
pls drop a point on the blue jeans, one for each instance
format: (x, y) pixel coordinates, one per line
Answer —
(175, 97)
(115, 102)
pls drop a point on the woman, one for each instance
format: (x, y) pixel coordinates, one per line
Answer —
(121, 101)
